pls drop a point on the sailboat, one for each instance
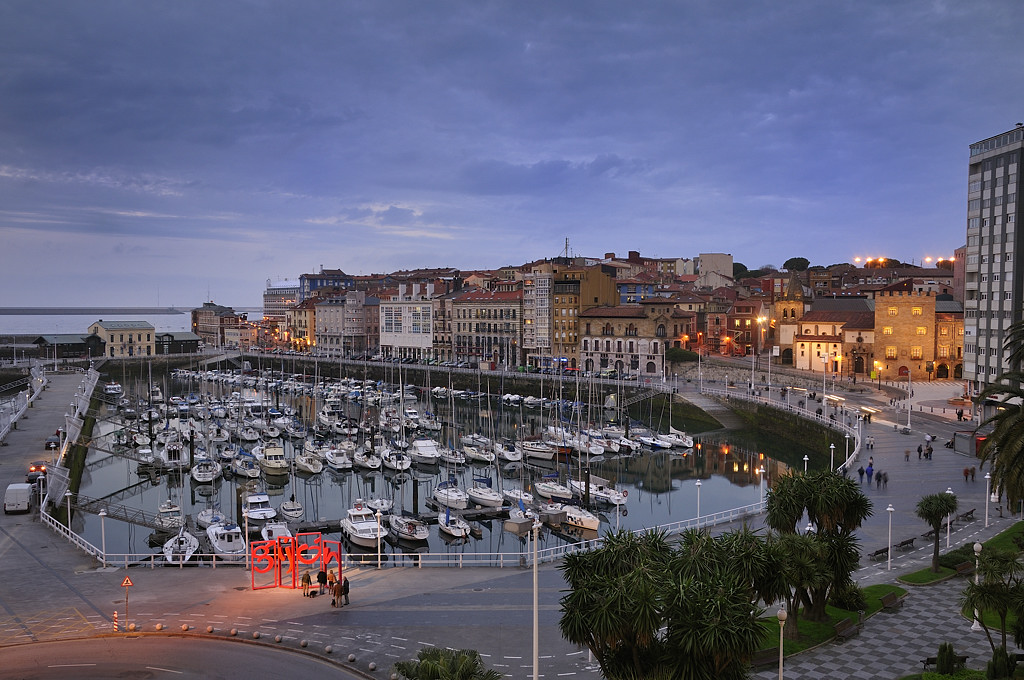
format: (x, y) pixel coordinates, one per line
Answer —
(453, 525)
(180, 547)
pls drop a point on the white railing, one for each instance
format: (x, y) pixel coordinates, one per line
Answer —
(802, 412)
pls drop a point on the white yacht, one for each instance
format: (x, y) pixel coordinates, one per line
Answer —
(360, 526)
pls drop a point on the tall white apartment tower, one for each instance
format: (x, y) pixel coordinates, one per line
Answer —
(994, 262)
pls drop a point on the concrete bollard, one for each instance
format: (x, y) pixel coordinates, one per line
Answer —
(209, 629)
(159, 626)
(278, 638)
(372, 666)
(184, 627)
(351, 657)
(255, 635)
(131, 627)
(328, 649)
(303, 644)
(233, 632)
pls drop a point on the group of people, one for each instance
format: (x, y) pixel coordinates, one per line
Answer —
(326, 582)
(881, 478)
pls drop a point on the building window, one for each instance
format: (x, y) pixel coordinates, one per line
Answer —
(893, 311)
(890, 352)
(915, 353)
(915, 311)
(921, 330)
(887, 330)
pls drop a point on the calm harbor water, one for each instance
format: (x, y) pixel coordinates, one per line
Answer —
(660, 485)
(49, 324)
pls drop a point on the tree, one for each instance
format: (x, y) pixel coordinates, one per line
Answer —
(1000, 589)
(436, 663)
(804, 568)
(677, 355)
(934, 509)
(648, 610)
(1003, 449)
(739, 270)
(836, 507)
(796, 264)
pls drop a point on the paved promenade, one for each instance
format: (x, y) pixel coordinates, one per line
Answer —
(52, 590)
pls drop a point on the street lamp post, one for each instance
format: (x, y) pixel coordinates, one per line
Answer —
(760, 472)
(988, 486)
(832, 457)
(806, 458)
(782, 626)
(103, 535)
(847, 437)
(698, 502)
(245, 515)
(977, 580)
(949, 518)
(378, 538)
(536, 607)
(67, 502)
(888, 551)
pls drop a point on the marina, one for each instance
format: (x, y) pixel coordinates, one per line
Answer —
(552, 461)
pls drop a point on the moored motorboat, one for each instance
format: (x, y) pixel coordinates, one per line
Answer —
(408, 528)
(256, 506)
(360, 526)
(275, 529)
(227, 541)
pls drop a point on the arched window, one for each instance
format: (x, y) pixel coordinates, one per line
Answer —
(660, 332)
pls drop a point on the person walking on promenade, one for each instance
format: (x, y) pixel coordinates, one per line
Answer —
(906, 455)
(860, 473)
(307, 582)
(885, 480)
(967, 473)
(920, 450)
(974, 471)
(878, 479)
(344, 588)
(321, 579)
(336, 594)
(330, 581)
(870, 471)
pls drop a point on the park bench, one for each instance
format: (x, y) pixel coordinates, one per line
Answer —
(907, 544)
(892, 601)
(846, 628)
(929, 534)
(965, 569)
(764, 657)
(879, 554)
(966, 516)
(961, 661)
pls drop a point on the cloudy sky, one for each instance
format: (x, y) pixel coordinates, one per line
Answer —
(174, 152)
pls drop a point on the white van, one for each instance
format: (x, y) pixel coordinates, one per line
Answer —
(18, 498)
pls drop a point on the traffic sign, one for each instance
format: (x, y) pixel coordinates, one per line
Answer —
(126, 582)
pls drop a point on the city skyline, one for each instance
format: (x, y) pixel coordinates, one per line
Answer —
(166, 154)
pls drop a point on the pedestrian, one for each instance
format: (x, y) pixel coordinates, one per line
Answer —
(974, 471)
(878, 480)
(871, 461)
(344, 588)
(306, 583)
(967, 473)
(885, 480)
(870, 471)
(928, 452)
(919, 450)
(321, 579)
(330, 580)
(860, 473)
(906, 455)
(336, 594)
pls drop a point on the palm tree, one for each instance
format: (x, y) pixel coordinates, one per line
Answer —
(933, 509)
(437, 663)
(1003, 448)
(999, 590)
(837, 508)
(804, 568)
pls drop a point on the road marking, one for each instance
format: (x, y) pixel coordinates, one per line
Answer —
(165, 670)
(70, 665)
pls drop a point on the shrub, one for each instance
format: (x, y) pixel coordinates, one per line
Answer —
(1001, 666)
(946, 659)
(850, 597)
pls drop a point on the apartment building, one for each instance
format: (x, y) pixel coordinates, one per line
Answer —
(125, 338)
(993, 297)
